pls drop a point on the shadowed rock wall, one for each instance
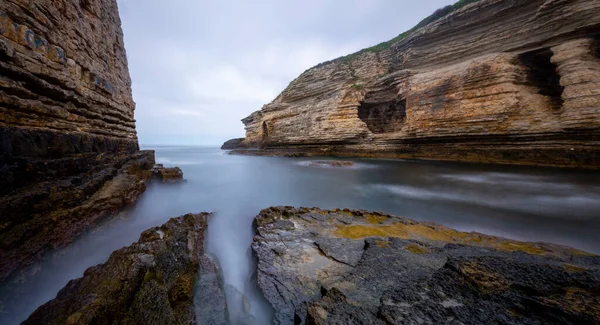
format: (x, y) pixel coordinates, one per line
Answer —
(68, 146)
(502, 81)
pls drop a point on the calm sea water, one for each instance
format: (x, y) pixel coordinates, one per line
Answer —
(524, 203)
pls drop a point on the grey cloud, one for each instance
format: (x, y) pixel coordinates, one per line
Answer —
(198, 67)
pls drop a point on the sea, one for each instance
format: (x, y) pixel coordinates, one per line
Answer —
(537, 204)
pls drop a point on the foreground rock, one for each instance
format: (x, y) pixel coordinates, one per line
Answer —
(65, 197)
(356, 267)
(152, 281)
(500, 81)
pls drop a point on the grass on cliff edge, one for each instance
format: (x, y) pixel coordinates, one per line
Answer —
(442, 12)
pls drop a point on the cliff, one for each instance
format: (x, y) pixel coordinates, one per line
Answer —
(69, 154)
(503, 81)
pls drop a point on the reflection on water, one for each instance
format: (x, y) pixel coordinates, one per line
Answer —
(534, 204)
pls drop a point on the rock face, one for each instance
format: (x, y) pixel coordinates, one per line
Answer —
(152, 281)
(232, 144)
(502, 81)
(358, 267)
(68, 147)
(167, 174)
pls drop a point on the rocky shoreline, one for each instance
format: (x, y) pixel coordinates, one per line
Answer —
(448, 91)
(514, 156)
(70, 159)
(345, 266)
(338, 267)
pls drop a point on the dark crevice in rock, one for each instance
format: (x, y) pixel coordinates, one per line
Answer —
(542, 74)
(383, 111)
(265, 132)
(19, 93)
(597, 46)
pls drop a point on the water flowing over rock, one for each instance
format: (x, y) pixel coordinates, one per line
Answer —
(356, 267)
(154, 281)
(332, 163)
(503, 81)
(69, 153)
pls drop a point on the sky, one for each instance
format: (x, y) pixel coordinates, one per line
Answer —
(198, 67)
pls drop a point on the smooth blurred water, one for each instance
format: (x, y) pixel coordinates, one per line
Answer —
(525, 203)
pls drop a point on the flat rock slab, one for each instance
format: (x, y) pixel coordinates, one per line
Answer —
(167, 174)
(357, 267)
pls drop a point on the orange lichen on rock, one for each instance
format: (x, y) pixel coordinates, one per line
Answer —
(483, 278)
(434, 233)
(416, 249)
(375, 218)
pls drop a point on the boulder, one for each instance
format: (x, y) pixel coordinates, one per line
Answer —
(233, 144)
(167, 174)
(164, 278)
(357, 267)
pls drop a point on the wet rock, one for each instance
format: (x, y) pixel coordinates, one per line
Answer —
(332, 163)
(359, 267)
(233, 144)
(58, 199)
(167, 174)
(209, 299)
(164, 278)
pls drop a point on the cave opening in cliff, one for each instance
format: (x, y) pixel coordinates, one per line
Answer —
(543, 74)
(383, 117)
(597, 46)
(265, 130)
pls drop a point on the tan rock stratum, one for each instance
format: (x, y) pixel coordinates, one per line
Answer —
(503, 81)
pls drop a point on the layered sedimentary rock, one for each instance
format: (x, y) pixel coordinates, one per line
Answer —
(232, 144)
(68, 146)
(503, 81)
(358, 267)
(167, 174)
(164, 278)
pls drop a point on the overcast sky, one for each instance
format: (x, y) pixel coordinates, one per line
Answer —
(198, 67)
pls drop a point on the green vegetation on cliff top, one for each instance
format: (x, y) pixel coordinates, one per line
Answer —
(442, 12)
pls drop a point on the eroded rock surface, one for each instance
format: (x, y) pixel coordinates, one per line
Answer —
(164, 278)
(357, 267)
(233, 144)
(167, 174)
(69, 153)
(503, 81)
